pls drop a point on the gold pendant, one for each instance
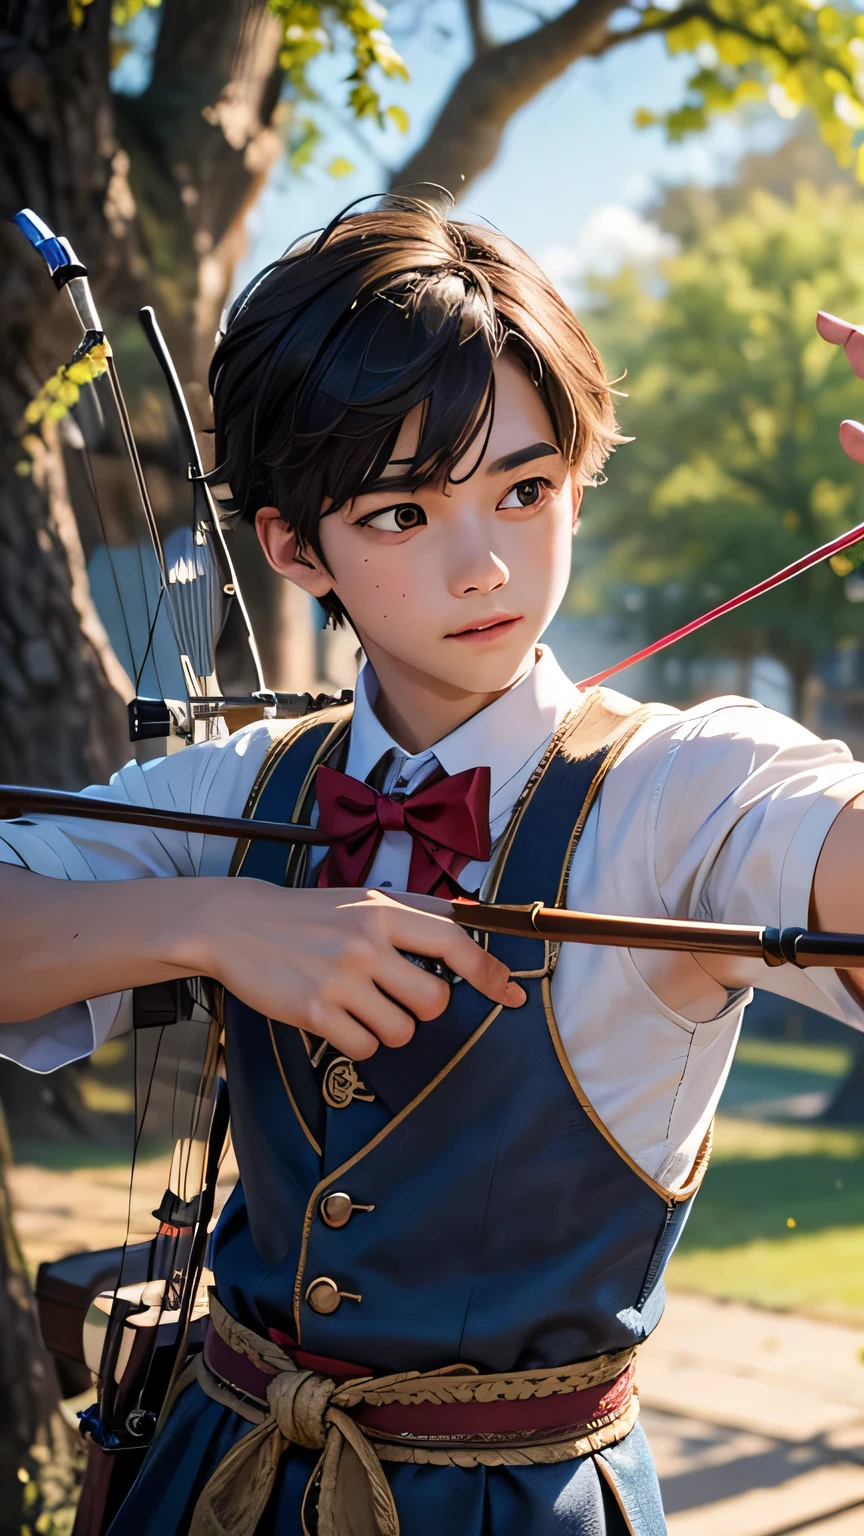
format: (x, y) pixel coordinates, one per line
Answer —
(341, 1084)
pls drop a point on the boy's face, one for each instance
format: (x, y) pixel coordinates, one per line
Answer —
(452, 584)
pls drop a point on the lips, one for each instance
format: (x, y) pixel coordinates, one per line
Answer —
(486, 631)
(497, 623)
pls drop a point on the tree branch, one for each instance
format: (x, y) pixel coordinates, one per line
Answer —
(480, 39)
(467, 134)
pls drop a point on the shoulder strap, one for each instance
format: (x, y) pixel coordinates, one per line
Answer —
(535, 854)
(282, 790)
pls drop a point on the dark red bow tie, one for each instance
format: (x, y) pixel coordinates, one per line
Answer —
(448, 820)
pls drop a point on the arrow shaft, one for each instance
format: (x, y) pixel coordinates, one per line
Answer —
(815, 557)
(796, 946)
(18, 801)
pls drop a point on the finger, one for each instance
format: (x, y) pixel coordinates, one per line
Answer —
(337, 1026)
(441, 937)
(482, 971)
(841, 333)
(852, 439)
(434, 904)
(424, 995)
(378, 1014)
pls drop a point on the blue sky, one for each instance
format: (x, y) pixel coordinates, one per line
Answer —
(568, 158)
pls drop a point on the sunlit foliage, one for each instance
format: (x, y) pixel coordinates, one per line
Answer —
(734, 403)
(310, 28)
(792, 53)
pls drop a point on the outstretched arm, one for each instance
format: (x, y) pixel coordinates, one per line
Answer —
(327, 961)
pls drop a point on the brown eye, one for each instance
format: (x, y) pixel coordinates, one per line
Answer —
(408, 517)
(400, 519)
(528, 493)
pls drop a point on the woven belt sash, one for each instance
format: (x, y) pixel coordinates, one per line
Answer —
(451, 1417)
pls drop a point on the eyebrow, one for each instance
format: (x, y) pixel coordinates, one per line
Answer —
(522, 456)
(509, 461)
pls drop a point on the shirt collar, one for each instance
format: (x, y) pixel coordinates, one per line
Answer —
(504, 736)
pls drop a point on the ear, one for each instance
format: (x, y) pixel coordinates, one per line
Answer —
(578, 489)
(279, 543)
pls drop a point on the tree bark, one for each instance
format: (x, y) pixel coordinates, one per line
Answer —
(466, 136)
(152, 194)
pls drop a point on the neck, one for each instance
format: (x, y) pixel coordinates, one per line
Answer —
(418, 710)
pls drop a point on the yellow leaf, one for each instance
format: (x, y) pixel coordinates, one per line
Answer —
(642, 118)
(400, 117)
(341, 167)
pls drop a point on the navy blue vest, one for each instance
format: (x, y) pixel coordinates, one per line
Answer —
(497, 1221)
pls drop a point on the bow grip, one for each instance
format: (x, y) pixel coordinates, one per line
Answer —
(433, 965)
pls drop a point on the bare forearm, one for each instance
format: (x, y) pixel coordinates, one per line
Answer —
(324, 960)
(837, 903)
(65, 940)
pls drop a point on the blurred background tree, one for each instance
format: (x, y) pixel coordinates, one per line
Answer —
(733, 401)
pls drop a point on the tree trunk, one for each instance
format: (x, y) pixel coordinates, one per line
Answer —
(61, 721)
(466, 136)
(152, 194)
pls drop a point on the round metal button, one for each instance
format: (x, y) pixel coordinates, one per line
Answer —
(323, 1296)
(336, 1209)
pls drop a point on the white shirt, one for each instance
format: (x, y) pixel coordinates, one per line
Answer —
(717, 813)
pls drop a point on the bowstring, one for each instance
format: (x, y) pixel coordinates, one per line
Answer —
(94, 496)
(149, 646)
(142, 1102)
(151, 618)
(194, 1122)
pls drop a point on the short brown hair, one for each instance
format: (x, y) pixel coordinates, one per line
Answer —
(329, 348)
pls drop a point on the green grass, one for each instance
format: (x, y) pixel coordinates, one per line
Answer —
(737, 1243)
(796, 1056)
(768, 1072)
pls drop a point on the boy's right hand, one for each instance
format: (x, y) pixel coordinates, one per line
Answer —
(329, 961)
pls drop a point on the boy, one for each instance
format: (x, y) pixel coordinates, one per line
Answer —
(481, 1184)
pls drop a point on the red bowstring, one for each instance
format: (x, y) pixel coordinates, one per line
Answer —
(836, 547)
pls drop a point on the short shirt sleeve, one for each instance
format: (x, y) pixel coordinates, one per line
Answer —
(744, 802)
(214, 778)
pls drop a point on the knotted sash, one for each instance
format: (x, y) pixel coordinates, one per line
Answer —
(307, 1409)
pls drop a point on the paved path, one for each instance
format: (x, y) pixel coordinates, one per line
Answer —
(756, 1418)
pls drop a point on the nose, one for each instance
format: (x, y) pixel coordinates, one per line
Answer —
(477, 569)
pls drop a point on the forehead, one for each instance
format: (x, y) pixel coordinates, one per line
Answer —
(520, 418)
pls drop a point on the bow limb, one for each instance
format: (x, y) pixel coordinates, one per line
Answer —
(208, 525)
(67, 272)
(196, 574)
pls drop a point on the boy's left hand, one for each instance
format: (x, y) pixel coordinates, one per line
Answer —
(841, 333)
